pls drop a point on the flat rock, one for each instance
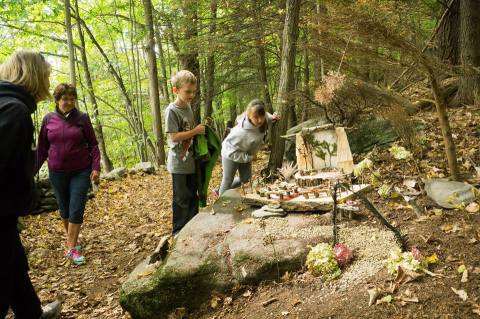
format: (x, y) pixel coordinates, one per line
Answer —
(116, 174)
(450, 194)
(216, 252)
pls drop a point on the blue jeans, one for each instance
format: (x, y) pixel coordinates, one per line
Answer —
(71, 190)
(230, 169)
(185, 200)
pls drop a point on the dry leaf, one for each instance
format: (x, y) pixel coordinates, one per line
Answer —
(228, 301)
(247, 221)
(285, 313)
(247, 294)
(296, 302)
(461, 293)
(433, 259)
(214, 302)
(472, 208)
(464, 276)
(386, 299)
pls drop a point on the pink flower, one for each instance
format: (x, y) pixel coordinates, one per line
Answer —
(343, 254)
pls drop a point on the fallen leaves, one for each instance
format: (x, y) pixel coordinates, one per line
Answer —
(460, 293)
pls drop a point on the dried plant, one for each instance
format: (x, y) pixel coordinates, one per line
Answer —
(287, 170)
(332, 83)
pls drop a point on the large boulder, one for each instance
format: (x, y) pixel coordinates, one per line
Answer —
(217, 250)
(115, 175)
(143, 167)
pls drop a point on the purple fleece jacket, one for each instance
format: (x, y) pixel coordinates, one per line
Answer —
(69, 143)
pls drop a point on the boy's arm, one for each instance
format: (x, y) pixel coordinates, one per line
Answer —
(182, 136)
(173, 128)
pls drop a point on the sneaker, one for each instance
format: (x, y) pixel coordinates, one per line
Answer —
(77, 247)
(51, 310)
(75, 256)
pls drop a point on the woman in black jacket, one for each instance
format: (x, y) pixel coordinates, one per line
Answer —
(23, 82)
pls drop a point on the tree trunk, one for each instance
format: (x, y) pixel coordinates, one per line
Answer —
(189, 55)
(287, 83)
(71, 49)
(163, 68)
(107, 163)
(233, 113)
(447, 37)
(262, 65)
(210, 65)
(306, 82)
(442, 114)
(153, 84)
(469, 89)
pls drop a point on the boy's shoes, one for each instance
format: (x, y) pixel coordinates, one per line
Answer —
(51, 310)
(75, 256)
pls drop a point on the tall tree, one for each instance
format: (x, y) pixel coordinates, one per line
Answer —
(287, 82)
(448, 34)
(469, 89)
(71, 48)
(153, 83)
(107, 163)
(262, 65)
(189, 55)
(210, 65)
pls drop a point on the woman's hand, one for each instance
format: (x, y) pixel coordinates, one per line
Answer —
(95, 176)
(275, 117)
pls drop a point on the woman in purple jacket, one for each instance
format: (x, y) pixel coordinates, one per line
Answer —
(68, 140)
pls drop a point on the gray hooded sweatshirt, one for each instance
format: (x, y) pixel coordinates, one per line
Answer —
(244, 140)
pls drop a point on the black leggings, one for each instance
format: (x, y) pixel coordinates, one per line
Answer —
(16, 290)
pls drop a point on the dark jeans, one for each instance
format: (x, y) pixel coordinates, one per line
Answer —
(71, 189)
(16, 290)
(185, 200)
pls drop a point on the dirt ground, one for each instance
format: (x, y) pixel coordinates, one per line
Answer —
(125, 220)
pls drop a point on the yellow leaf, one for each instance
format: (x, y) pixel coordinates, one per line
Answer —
(433, 259)
(247, 221)
(461, 269)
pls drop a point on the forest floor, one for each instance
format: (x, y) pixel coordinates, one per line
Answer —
(126, 218)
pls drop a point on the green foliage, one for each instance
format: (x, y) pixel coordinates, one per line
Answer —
(321, 262)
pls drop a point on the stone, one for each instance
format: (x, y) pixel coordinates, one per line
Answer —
(213, 253)
(144, 167)
(116, 174)
(450, 194)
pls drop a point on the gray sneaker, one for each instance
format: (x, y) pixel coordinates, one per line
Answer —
(52, 310)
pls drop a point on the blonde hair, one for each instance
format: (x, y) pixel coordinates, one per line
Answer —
(183, 77)
(29, 70)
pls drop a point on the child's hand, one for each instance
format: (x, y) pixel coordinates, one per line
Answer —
(199, 129)
(275, 117)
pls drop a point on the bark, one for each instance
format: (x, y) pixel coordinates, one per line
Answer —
(306, 82)
(469, 90)
(262, 65)
(71, 49)
(210, 65)
(287, 83)
(447, 37)
(189, 55)
(106, 162)
(153, 84)
(442, 114)
(163, 68)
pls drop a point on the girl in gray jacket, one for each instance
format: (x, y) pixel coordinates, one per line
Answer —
(242, 143)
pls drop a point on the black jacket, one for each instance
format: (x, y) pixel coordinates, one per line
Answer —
(17, 187)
